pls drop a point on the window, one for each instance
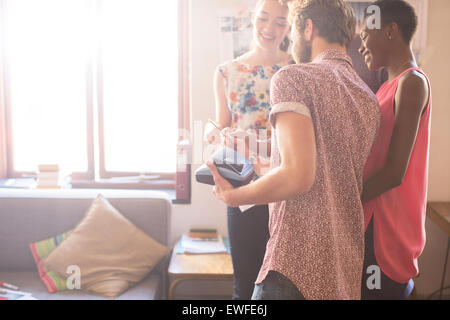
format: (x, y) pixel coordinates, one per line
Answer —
(45, 73)
(99, 87)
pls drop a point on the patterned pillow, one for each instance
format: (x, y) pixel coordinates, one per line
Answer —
(40, 250)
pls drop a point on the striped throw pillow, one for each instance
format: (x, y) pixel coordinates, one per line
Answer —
(40, 250)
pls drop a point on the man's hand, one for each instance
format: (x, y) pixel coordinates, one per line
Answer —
(223, 190)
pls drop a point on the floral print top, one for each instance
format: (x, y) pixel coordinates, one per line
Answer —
(247, 92)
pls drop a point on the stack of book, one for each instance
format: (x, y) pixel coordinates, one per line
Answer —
(48, 176)
(203, 234)
(201, 241)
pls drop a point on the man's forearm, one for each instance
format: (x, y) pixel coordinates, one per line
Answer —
(277, 185)
(295, 175)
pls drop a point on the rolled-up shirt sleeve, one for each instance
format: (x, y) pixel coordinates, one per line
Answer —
(285, 95)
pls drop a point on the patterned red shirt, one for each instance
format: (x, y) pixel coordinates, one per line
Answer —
(317, 238)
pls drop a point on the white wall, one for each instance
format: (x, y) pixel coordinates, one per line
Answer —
(437, 66)
(206, 211)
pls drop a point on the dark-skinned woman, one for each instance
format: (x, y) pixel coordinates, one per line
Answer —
(396, 173)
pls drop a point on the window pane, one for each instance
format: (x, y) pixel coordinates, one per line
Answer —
(140, 84)
(45, 43)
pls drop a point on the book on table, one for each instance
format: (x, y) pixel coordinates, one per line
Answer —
(187, 244)
(6, 294)
(197, 233)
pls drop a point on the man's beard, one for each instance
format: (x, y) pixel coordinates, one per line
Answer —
(304, 52)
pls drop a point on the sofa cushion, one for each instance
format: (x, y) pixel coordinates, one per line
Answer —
(150, 288)
(110, 251)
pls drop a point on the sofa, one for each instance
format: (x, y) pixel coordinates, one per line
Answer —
(29, 215)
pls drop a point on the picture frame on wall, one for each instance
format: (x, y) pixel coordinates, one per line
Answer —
(235, 29)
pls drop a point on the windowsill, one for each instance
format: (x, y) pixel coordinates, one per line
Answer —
(26, 183)
(132, 184)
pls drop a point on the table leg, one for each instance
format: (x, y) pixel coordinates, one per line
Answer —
(172, 286)
(175, 282)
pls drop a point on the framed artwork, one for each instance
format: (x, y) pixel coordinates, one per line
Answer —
(235, 29)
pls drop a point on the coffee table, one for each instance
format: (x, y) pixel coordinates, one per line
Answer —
(209, 266)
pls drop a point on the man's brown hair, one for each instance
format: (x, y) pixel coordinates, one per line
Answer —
(334, 19)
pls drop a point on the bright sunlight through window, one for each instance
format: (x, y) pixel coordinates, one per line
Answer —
(46, 59)
(140, 75)
(132, 46)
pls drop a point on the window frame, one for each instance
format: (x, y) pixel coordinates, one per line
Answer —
(96, 175)
(7, 170)
(3, 158)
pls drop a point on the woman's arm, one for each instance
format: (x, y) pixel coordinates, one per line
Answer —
(411, 100)
(248, 145)
(223, 114)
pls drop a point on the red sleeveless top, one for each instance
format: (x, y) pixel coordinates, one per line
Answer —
(399, 214)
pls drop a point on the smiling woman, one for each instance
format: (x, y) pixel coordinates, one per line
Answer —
(396, 173)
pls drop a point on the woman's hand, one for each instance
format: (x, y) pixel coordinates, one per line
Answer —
(240, 141)
(223, 190)
(247, 144)
(212, 134)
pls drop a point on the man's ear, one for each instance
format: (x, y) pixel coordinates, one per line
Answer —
(309, 30)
